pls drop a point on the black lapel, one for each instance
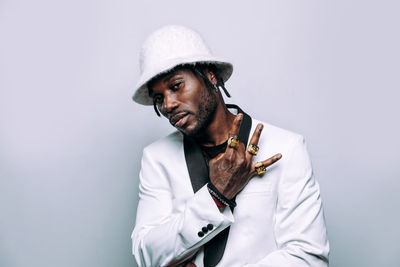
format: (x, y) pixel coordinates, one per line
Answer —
(198, 172)
(196, 164)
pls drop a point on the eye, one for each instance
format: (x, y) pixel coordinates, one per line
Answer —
(176, 85)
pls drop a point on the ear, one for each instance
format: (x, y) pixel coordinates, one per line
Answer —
(211, 77)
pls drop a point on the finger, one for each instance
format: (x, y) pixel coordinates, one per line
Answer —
(272, 160)
(268, 162)
(234, 132)
(254, 139)
(236, 125)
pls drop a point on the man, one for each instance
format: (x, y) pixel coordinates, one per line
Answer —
(204, 199)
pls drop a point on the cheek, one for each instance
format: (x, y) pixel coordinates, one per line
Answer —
(191, 102)
(194, 89)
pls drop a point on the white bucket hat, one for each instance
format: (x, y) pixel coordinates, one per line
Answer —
(169, 47)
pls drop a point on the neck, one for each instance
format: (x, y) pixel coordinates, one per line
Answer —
(217, 132)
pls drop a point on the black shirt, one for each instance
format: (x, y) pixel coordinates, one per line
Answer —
(211, 152)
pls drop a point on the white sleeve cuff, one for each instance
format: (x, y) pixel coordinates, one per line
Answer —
(202, 212)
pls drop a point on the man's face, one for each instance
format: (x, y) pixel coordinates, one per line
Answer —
(185, 100)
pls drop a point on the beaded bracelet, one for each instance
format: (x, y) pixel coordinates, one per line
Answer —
(220, 197)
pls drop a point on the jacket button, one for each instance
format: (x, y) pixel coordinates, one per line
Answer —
(200, 234)
(210, 226)
(204, 229)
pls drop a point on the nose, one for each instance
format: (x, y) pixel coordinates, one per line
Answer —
(170, 103)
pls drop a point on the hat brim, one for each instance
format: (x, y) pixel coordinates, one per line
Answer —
(141, 94)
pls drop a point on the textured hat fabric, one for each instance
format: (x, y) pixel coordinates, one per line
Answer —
(171, 46)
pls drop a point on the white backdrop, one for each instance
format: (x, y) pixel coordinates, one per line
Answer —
(71, 138)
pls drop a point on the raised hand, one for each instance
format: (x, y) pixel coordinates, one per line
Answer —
(232, 170)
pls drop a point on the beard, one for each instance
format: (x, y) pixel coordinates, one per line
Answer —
(205, 113)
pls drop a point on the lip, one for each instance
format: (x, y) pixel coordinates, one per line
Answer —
(182, 121)
(178, 120)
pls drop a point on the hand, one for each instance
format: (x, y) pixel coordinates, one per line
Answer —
(232, 170)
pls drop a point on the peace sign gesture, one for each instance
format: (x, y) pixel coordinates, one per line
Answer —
(232, 170)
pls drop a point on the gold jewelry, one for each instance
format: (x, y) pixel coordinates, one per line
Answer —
(260, 168)
(233, 142)
(252, 149)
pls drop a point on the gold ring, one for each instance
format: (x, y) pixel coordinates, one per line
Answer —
(252, 149)
(233, 142)
(260, 168)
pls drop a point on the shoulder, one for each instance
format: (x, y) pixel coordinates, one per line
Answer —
(168, 145)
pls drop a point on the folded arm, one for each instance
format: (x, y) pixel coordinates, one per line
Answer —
(164, 233)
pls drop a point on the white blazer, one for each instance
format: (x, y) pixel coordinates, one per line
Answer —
(278, 220)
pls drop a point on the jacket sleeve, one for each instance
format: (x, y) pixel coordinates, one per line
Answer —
(300, 230)
(167, 229)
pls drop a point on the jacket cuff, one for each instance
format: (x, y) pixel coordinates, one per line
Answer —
(202, 218)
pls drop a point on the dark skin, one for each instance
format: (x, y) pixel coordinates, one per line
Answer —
(198, 111)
